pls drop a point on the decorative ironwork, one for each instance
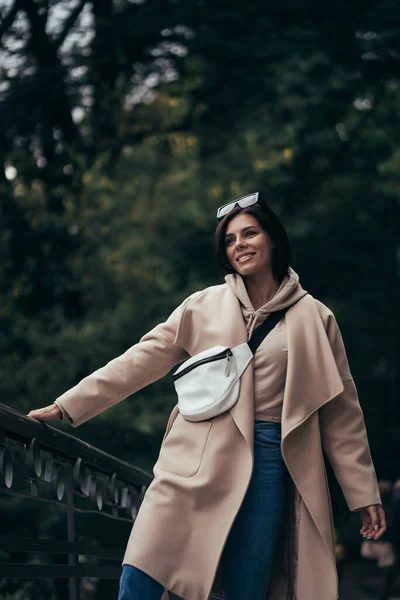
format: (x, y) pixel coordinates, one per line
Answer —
(60, 469)
(6, 467)
(33, 459)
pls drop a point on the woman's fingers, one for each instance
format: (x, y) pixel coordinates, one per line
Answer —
(374, 521)
(365, 527)
(381, 518)
(47, 413)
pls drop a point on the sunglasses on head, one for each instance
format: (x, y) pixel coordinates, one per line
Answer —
(243, 202)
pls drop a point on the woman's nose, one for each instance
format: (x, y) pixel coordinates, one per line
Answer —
(240, 243)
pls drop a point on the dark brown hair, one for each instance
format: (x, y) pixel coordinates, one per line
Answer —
(270, 222)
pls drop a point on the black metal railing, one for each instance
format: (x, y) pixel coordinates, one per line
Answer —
(44, 464)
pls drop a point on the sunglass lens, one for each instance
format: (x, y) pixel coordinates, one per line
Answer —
(248, 201)
(225, 209)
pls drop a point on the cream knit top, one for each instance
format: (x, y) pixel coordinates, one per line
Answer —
(270, 359)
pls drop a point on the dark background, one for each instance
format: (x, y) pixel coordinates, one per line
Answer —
(123, 125)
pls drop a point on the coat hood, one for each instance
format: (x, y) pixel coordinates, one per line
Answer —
(288, 292)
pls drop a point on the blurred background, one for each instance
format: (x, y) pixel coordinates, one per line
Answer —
(123, 125)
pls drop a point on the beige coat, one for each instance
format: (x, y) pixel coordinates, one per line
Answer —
(203, 469)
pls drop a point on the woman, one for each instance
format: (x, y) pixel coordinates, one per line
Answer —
(240, 502)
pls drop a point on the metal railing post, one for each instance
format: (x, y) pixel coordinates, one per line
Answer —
(74, 592)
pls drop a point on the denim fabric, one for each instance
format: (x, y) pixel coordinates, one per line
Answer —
(137, 585)
(249, 549)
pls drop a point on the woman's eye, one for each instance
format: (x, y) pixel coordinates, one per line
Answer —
(229, 241)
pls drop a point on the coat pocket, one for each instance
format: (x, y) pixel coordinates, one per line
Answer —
(183, 447)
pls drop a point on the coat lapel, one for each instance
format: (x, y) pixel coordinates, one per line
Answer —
(312, 380)
(218, 319)
(312, 377)
(243, 410)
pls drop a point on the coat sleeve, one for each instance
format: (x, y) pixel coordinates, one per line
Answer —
(147, 361)
(344, 436)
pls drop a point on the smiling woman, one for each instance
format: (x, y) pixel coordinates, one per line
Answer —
(240, 501)
(264, 220)
(249, 250)
(252, 241)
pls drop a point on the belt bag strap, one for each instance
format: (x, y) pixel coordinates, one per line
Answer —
(260, 334)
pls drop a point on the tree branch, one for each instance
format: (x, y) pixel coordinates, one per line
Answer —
(69, 23)
(51, 72)
(9, 19)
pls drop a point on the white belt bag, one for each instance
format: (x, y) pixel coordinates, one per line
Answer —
(208, 383)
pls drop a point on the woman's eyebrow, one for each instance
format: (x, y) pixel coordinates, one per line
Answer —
(244, 229)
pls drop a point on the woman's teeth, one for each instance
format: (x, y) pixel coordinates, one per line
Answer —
(243, 258)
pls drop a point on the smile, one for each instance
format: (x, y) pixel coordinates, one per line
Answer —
(245, 257)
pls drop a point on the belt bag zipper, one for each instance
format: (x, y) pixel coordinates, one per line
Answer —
(224, 354)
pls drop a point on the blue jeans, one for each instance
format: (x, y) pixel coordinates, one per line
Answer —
(137, 585)
(249, 549)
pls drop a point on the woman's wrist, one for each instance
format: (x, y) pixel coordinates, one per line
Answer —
(60, 411)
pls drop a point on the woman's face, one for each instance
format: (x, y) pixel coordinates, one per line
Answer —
(248, 246)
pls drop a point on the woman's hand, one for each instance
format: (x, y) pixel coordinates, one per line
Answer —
(374, 521)
(48, 413)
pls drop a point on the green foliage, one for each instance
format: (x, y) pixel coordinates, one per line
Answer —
(107, 222)
(129, 125)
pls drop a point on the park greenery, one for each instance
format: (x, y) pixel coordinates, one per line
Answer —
(124, 124)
